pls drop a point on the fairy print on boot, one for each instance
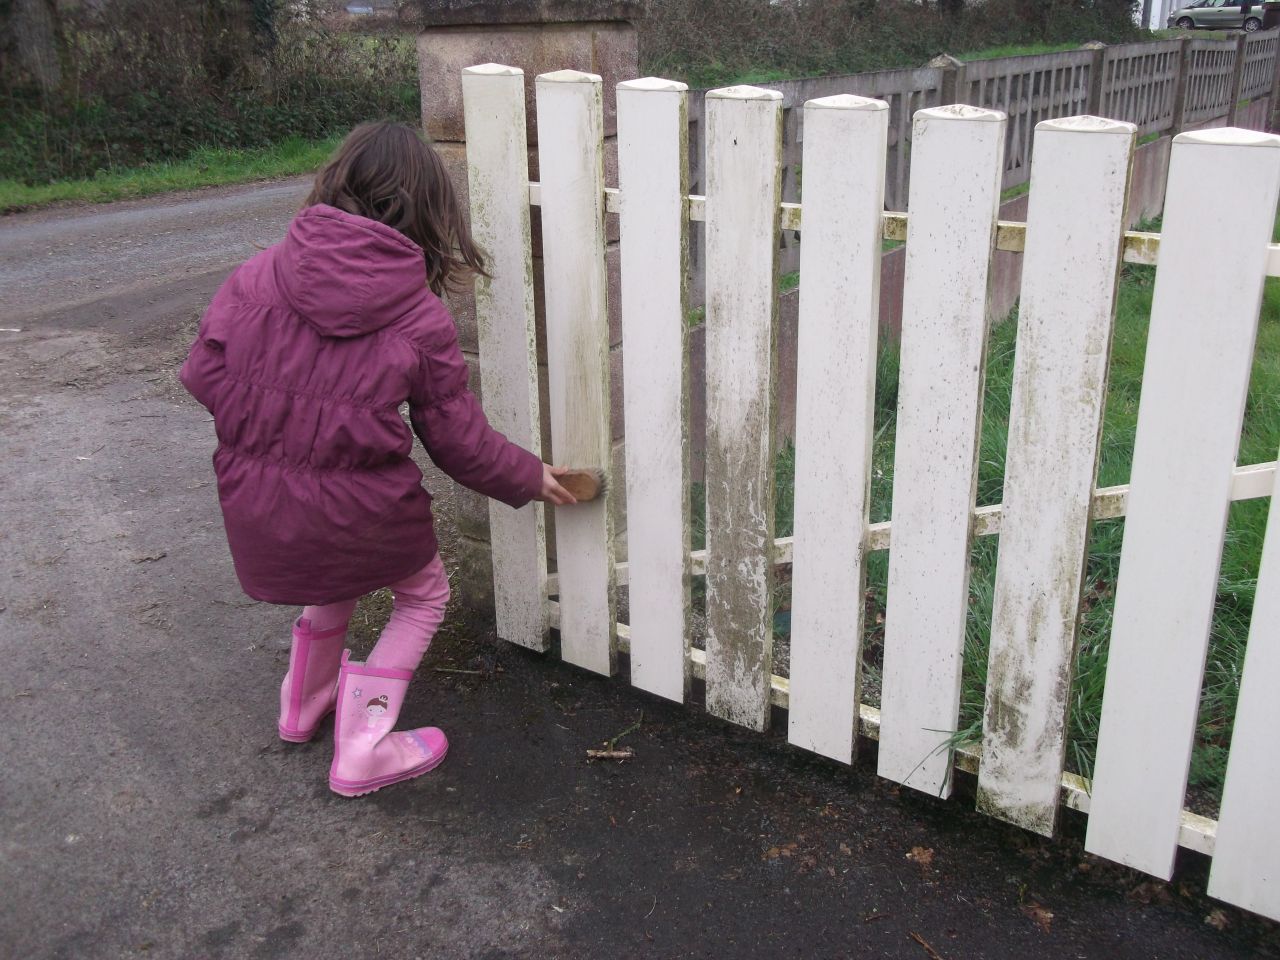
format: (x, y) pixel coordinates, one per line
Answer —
(368, 753)
(310, 687)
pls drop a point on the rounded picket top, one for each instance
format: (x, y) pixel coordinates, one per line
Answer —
(743, 91)
(569, 76)
(1087, 123)
(846, 101)
(961, 111)
(1228, 137)
(654, 85)
(492, 70)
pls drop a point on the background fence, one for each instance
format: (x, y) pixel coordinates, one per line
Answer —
(1162, 87)
(1183, 475)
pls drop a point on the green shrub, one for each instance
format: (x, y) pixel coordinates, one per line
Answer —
(709, 42)
(135, 95)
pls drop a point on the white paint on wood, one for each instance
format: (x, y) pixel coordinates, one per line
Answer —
(1075, 224)
(497, 168)
(743, 164)
(1246, 863)
(845, 140)
(957, 163)
(571, 158)
(653, 129)
(1199, 351)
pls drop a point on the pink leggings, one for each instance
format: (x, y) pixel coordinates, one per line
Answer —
(416, 614)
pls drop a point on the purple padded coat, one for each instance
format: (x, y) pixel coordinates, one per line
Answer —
(304, 358)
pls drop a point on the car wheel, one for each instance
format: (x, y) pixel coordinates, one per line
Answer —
(1184, 23)
(1252, 24)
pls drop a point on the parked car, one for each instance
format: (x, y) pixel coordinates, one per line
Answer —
(1218, 15)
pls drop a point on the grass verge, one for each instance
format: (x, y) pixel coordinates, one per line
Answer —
(1016, 50)
(206, 167)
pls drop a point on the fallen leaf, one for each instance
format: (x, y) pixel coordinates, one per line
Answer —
(844, 848)
(1150, 891)
(921, 855)
(1040, 916)
(1217, 919)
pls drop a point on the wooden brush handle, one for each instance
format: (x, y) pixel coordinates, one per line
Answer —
(584, 485)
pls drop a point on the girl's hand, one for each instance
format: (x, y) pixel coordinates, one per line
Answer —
(552, 492)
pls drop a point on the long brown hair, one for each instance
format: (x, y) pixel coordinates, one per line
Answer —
(388, 173)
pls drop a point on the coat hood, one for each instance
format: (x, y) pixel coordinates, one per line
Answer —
(348, 275)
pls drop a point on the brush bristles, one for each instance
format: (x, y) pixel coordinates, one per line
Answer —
(584, 485)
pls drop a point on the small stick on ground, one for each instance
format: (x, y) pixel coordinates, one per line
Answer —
(611, 751)
(626, 753)
(933, 954)
(473, 673)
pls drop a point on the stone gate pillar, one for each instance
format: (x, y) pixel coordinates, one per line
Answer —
(538, 36)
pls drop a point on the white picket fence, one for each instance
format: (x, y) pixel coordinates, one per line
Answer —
(1184, 476)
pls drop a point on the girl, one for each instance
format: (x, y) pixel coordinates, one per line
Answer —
(304, 358)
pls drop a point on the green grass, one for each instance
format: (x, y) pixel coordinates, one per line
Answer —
(1016, 50)
(207, 167)
(701, 76)
(1238, 577)
(1017, 190)
(716, 74)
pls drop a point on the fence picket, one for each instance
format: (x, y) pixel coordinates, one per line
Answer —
(949, 246)
(1189, 417)
(653, 182)
(1246, 858)
(497, 169)
(743, 165)
(844, 165)
(1075, 225)
(571, 160)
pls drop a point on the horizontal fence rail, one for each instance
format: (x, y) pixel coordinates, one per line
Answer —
(1175, 506)
(1139, 246)
(1109, 503)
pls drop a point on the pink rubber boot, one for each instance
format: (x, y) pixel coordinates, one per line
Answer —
(367, 754)
(309, 689)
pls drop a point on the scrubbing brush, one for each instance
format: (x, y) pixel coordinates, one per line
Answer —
(584, 485)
